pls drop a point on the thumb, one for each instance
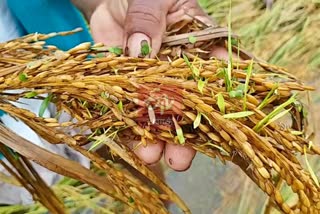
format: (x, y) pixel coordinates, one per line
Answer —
(144, 26)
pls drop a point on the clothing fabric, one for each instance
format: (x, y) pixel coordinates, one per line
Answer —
(47, 16)
(9, 28)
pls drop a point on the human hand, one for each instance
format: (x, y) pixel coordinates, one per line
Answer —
(133, 23)
(128, 23)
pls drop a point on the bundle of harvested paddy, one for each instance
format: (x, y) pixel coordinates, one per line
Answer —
(223, 109)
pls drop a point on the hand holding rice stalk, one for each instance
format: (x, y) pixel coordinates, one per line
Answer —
(226, 110)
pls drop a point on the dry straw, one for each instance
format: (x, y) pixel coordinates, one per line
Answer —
(223, 110)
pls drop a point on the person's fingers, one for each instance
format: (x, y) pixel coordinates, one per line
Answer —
(221, 53)
(105, 28)
(145, 22)
(188, 10)
(118, 10)
(179, 157)
(149, 154)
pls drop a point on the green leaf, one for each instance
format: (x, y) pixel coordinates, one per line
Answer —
(195, 71)
(100, 55)
(234, 42)
(266, 99)
(274, 113)
(120, 106)
(131, 200)
(103, 49)
(23, 77)
(98, 141)
(221, 103)
(238, 115)
(312, 174)
(218, 147)
(115, 50)
(192, 39)
(180, 136)
(197, 121)
(44, 105)
(15, 154)
(103, 110)
(30, 94)
(278, 116)
(304, 112)
(178, 131)
(207, 118)
(221, 72)
(246, 85)
(68, 181)
(145, 49)
(110, 162)
(156, 191)
(241, 87)
(296, 133)
(298, 105)
(201, 83)
(95, 145)
(187, 61)
(236, 94)
(105, 95)
(230, 63)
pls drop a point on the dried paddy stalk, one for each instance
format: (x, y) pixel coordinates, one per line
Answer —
(183, 97)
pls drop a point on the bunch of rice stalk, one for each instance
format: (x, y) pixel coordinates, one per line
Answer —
(24, 173)
(77, 197)
(227, 110)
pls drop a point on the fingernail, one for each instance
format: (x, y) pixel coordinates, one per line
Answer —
(138, 44)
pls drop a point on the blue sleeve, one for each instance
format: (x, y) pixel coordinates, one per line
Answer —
(47, 16)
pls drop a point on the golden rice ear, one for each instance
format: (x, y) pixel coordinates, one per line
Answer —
(224, 110)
